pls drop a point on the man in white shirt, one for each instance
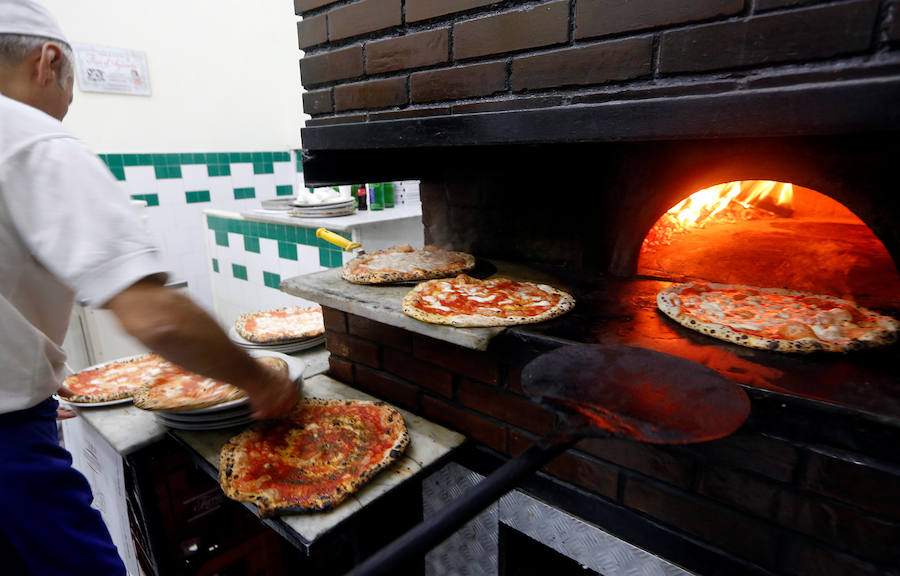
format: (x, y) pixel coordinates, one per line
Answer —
(68, 231)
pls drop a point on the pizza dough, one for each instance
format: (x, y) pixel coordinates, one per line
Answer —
(776, 319)
(465, 301)
(174, 388)
(112, 381)
(281, 325)
(403, 263)
(314, 457)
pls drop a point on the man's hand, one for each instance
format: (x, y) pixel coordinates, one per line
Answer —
(274, 395)
(170, 324)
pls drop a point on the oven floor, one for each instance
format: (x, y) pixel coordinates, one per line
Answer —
(623, 311)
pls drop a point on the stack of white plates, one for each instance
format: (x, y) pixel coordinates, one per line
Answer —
(341, 207)
(285, 346)
(234, 413)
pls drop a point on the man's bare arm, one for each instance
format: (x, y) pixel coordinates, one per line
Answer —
(170, 324)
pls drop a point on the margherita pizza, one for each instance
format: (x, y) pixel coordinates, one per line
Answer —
(173, 389)
(113, 380)
(403, 263)
(313, 458)
(281, 325)
(465, 301)
(776, 319)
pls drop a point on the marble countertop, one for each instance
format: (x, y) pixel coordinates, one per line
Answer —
(128, 429)
(429, 444)
(358, 219)
(384, 303)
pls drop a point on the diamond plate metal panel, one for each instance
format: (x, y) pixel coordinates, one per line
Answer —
(471, 550)
(582, 542)
(474, 549)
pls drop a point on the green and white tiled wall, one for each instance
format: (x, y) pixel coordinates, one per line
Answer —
(249, 259)
(179, 187)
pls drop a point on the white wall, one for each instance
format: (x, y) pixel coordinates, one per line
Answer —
(224, 75)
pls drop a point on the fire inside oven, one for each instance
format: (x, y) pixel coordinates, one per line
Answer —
(771, 234)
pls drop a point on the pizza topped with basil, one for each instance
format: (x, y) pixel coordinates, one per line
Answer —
(776, 319)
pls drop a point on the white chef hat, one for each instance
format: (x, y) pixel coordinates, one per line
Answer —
(29, 18)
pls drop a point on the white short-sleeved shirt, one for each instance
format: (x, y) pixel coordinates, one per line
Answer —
(67, 230)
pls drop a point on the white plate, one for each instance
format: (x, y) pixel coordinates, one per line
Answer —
(191, 415)
(286, 346)
(178, 425)
(94, 404)
(237, 338)
(332, 204)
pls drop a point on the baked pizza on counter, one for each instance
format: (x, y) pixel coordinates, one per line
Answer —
(465, 302)
(113, 380)
(173, 388)
(404, 264)
(281, 325)
(314, 457)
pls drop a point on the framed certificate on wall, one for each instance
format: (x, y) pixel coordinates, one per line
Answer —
(111, 70)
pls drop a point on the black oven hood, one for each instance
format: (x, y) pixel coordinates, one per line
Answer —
(337, 151)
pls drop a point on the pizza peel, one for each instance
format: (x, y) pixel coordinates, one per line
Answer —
(596, 391)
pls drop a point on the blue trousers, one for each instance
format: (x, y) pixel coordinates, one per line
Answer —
(47, 525)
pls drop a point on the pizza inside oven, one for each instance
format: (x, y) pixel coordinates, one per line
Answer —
(776, 319)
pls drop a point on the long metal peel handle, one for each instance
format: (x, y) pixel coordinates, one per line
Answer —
(451, 517)
(336, 239)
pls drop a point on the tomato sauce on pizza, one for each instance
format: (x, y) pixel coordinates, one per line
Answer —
(283, 324)
(114, 380)
(467, 301)
(315, 457)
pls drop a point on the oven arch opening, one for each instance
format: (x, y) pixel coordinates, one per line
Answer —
(771, 234)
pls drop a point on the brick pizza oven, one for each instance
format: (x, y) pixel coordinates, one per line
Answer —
(554, 134)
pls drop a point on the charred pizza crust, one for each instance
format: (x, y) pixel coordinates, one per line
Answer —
(313, 458)
(175, 389)
(415, 302)
(870, 329)
(308, 324)
(403, 263)
(144, 366)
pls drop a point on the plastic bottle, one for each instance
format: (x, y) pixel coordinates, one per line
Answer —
(388, 194)
(361, 203)
(376, 196)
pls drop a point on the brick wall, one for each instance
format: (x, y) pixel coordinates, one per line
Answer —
(790, 504)
(376, 59)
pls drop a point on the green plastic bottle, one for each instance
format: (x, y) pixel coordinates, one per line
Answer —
(376, 198)
(388, 194)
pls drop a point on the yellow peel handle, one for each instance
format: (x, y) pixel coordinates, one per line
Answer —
(337, 240)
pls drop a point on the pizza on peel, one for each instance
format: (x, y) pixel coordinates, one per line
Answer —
(314, 457)
(405, 264)
(113, 380)
(776, 319)
(173, 388)
(465, 302)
